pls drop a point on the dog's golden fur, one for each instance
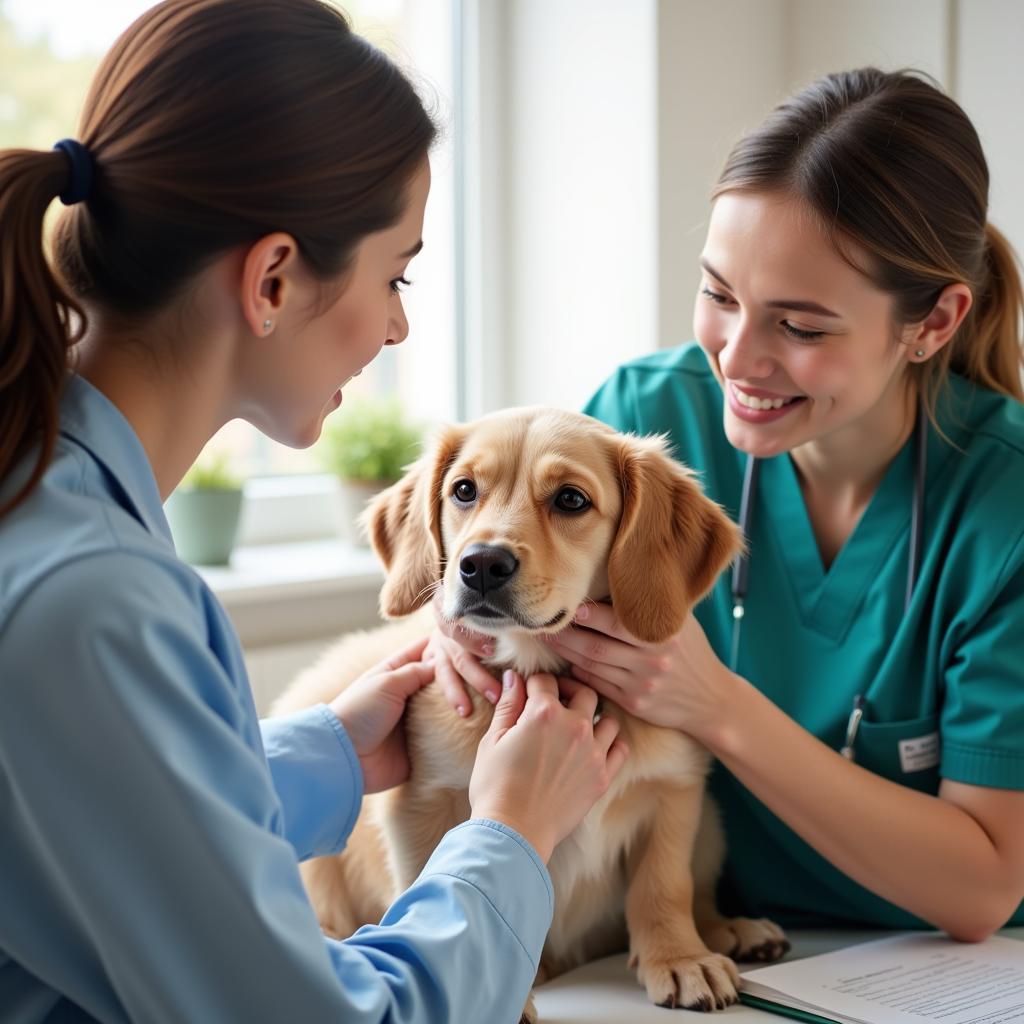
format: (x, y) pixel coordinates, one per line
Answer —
(651, 542)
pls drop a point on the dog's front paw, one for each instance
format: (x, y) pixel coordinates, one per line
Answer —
(698, 981)
(747, 940)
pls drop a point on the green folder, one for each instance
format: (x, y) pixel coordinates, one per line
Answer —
(785, 1011)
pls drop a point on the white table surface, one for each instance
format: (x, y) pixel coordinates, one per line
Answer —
(607, 992)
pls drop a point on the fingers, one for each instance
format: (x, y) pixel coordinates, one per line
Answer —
(605, 733)
(410, 679)
(510, 705)
(456, 668)
(540, 685)
(603, 686)
(409, 653)
(578, 695)
(616, 757)
(593, 651)
(476, 643)
(602, 617)
(451, 683)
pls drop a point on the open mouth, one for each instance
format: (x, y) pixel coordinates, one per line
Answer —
(763, 403)
(759, 408)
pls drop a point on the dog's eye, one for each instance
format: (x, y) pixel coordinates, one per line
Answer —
(464, 491)
(569, 499)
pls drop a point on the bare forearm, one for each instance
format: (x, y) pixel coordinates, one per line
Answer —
(922, 853)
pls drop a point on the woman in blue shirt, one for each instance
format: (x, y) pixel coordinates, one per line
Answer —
(246, 193)
(858, 334)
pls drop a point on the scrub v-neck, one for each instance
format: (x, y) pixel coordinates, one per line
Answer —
(828, 600)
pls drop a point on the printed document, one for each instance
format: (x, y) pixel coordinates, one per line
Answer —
(910, 978)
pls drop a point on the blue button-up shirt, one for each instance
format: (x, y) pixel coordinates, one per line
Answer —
(151, 826)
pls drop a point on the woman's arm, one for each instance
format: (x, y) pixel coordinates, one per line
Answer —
(956, 859)
(143, 818)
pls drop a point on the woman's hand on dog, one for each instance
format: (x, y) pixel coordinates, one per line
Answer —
(543, 763)
(371, 709)
(679, 684)
(455, 653)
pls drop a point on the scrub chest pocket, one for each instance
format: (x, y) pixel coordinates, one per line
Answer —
(906, 752)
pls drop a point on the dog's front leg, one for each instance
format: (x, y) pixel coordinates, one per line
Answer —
(743, 939)
(414, 822)
(670, 958)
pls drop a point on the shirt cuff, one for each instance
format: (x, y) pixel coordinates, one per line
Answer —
(317, 777)
(505, 868)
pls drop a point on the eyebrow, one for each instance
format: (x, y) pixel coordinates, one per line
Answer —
(412, 252)
(797, 305)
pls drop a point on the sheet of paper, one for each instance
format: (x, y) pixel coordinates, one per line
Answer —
(909, 979)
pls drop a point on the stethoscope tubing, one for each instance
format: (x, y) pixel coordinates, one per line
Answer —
(741, 566)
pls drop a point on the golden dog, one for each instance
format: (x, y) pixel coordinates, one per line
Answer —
(519, 518)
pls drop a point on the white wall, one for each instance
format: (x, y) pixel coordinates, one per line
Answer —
(990, 86)
(830, 35)
(579, 179)
(618, 116)
(720, 65)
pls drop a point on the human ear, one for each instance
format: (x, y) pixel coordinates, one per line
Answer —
(267, 280)
(928, 336)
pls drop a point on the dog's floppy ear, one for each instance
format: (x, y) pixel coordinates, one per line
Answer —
(671, 544)
(404, 526)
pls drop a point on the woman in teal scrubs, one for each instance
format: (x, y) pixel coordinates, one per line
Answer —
(849, 278)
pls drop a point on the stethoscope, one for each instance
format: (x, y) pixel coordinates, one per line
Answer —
(741, 567)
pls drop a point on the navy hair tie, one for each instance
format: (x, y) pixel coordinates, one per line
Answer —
(82, 171)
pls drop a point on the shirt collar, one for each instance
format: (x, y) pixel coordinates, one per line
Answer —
(92, 421)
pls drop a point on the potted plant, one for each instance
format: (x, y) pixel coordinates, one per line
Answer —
(204, 510)
(366, 444)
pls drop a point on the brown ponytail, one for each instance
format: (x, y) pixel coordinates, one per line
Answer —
(210, 123)
(993, 356)
(890, 162)
(35, 314)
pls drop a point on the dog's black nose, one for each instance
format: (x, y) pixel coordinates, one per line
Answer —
(485, 567)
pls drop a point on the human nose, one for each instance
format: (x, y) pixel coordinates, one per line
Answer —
(398, 326)
(745, 355)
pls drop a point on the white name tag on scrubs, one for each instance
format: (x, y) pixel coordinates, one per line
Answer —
(919, 753)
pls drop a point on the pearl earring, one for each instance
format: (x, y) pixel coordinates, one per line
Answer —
(267, 325)
(919, 353)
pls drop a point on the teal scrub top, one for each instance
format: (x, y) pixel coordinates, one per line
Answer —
(943, 682)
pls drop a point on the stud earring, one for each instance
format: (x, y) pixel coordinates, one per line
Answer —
(267, 326)
(919, 353)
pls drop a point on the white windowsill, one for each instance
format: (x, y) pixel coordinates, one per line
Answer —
(285, 593)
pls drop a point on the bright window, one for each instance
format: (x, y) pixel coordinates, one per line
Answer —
(48, 52)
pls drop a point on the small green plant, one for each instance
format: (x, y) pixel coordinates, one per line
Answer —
(210, 473)
(369, 440)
